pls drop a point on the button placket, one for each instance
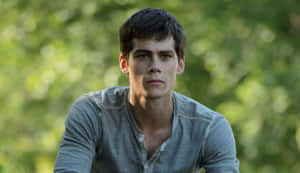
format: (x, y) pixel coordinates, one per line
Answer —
(146, 166)
(141, 139)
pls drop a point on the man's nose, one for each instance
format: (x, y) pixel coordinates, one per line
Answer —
(155, 65)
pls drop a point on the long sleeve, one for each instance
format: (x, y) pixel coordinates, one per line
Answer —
(82, 133)
(220, 149)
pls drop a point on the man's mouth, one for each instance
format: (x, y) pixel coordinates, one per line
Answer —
(155, 82)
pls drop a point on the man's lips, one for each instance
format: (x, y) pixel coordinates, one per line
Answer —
(155, 82)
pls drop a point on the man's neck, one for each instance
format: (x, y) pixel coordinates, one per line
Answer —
(152, 113)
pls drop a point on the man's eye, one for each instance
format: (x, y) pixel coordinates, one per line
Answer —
(142, 56)
(166, 56)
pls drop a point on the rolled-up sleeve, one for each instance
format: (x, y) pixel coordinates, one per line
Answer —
(219, 154)
(82, 133)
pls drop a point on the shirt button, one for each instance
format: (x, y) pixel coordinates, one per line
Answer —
(146, 166)
(141, 139)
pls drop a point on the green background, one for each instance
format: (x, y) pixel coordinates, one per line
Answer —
(242, 59)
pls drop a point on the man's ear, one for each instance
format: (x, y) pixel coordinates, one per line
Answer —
(180, 68)
(123, 64)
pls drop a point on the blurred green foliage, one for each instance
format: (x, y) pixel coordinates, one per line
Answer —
(242, 59)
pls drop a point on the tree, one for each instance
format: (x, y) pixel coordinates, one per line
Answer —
(242, 59)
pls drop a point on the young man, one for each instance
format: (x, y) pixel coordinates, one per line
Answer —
(146, 127)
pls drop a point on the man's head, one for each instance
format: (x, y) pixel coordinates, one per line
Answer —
(152, 53)
(151, 23)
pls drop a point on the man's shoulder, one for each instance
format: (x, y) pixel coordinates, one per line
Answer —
(192, 109)
(106, 98)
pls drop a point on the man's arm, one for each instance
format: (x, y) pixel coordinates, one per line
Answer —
(80, 138)
(220, 149)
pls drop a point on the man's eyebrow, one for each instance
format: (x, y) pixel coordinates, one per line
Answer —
(148, 51)
(167, 52)
(142, 51)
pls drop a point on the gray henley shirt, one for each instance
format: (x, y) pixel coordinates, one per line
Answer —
(101, 136)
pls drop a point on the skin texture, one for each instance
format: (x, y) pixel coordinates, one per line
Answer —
(152, 67)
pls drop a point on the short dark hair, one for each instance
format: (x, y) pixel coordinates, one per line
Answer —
(151, 23)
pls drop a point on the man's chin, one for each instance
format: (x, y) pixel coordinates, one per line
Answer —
(153, 97)
(155, 94)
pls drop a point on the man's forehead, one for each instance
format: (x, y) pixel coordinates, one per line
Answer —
(166, 44)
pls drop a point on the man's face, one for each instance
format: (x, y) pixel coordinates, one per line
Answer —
(152, 67)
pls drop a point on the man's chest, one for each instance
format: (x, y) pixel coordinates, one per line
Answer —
(154, 139)
(123, 151)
